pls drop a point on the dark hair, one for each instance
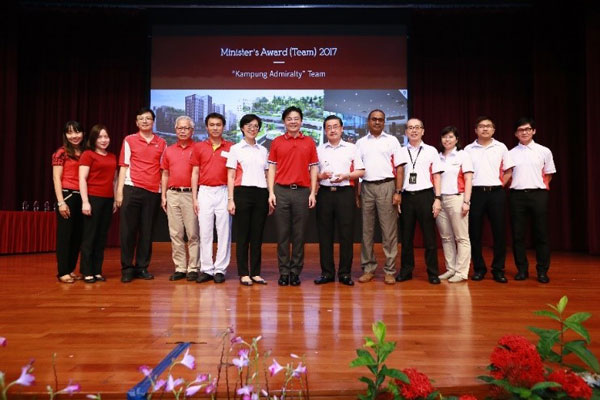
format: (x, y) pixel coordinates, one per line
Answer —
(483, 118)
(330, 117)
(72, 126)
(93, 137)
(246, 119)
(290, 109)
(525, 121)
(214, 115)
(446, 130)
(375, 110)
(144, 110)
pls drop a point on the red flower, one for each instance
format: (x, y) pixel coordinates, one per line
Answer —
(517, 360)
(419, 386)
(467, 397)
(384, 396)
(572, 384)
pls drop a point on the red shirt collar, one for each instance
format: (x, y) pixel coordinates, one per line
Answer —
(288, 136)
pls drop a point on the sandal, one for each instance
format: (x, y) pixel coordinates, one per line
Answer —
(100, 278)
(89, 279)
(66, 279)
(259, 280)
(245, 280)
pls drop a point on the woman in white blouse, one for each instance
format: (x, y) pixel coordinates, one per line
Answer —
(453, 220)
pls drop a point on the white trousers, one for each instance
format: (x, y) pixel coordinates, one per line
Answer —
(454, 231)
(212, 213)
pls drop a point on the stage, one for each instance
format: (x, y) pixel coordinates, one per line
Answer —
(103, 332)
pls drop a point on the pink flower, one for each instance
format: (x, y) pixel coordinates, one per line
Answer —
(26, 379)
(240, 362)
(2, 341)
(158, 385)
(201, 378)
(300, 369)
(212, 387)
(192, 390)
(244, 353)
(275, 368)
(146, 370)
(246, 389)
(294, 355)
(172, 384)
(71, 388)
(236, 340)
(188, 360)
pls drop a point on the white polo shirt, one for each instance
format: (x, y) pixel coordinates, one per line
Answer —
(340, 159)
(489, 162)
(455, 165)
(250, 163)
(424, 161)
(532, 163)
(380, 156)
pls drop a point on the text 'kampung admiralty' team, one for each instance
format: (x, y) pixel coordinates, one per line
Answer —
(202, 185)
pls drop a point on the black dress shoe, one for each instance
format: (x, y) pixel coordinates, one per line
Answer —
(434, 280)
(346, 280)
(323, 279)
(500, 278)
(143, 273)
(204, 277)
(177, 276)
(191, 276)
(294, 280)
(521, 276)
(219, 277)
(284, 280)
(404, 278)
(477, 277)
(126, 275)
(543, 277)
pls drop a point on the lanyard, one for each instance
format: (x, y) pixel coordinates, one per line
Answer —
(410, 155)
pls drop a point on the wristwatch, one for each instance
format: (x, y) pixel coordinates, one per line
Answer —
(467, 202)
(398, 191)
(438, 197)
(60, 203)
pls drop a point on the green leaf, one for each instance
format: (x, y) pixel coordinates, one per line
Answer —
(394, 373)
(369, 342)
(379, 329)
(546, 313)
(579, 349)
(486, 379)
(364, 358)
(579, 329)
(562, 304)
(367, 381)
(385, 350)
(578, 317)
(379, 380)
(544, 385)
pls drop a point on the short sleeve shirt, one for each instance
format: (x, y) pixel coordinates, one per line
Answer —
(70, 175)
(143, 159)
(249, 162)
(532, 163)
(380, 156)
(211, 162)
(456, 165)
(423, 161)
(293, 157)
(100, 180)
(176, 160)
(489, 162)
(340, 159)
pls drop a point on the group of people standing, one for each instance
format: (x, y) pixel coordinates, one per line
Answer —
(201, 185)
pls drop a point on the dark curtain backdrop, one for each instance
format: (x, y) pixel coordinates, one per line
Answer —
(92, 65)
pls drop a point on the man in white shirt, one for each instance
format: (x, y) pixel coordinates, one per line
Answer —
(338, 166)
(534, 168)
(493, 169)
(379, 195)
(421, 192)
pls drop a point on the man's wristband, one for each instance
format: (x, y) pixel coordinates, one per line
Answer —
(438, 197)
(398, 191)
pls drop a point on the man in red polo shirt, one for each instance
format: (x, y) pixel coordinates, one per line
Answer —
(177, 201)
(138, 195)
(292, 182)
(209, 189)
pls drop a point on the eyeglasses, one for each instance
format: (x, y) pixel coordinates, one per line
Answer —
(525, 130)
(374, 119)
(413, 127)
(332, 127)
(482, 126)
(184, 128)
(251, 126)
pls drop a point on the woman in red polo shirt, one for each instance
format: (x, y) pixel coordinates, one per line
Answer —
(65, 174)
(97, 178)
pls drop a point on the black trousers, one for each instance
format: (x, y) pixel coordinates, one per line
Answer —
(291, 218)
(95, 233)
(417, 207)
(137, 216)
(251, 209)
(68, 234)
(335, 209)
(488, 201)
(534, 204)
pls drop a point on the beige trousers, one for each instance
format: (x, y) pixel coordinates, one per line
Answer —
(454, 231)
(180, 212)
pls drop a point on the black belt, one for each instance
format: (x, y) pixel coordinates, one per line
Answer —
(527, 190)
(335, 188)
(292, 186)
(70, 191)
(415, 192)
(181, 189)
(487, 188)
(379, 182)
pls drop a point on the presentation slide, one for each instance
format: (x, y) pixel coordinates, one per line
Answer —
(343, 74)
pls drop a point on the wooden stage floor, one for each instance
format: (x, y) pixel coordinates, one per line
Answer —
(102, 332)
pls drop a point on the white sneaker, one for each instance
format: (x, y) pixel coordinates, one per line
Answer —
(446, 275)
(456, 278)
